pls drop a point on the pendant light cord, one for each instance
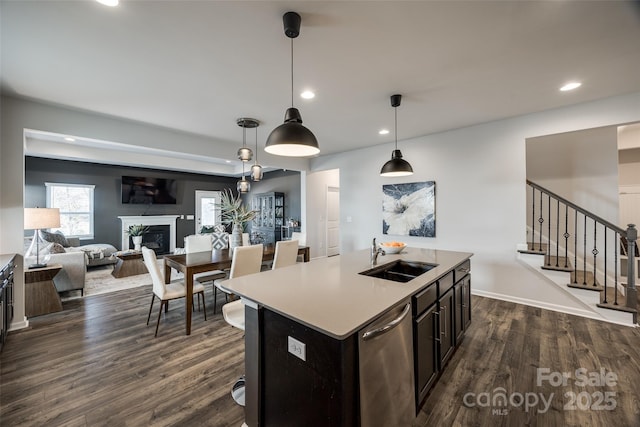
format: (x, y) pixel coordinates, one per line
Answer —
(256, 146)
(395, 110)
(292, 72)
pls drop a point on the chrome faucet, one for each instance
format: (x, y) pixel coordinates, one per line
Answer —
(375, 251)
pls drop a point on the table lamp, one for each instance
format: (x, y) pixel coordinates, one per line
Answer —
(37, 219)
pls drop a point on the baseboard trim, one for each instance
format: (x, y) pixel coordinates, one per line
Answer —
(544, 305)
(19, 325)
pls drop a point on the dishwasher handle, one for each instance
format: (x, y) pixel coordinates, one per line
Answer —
(383, 329)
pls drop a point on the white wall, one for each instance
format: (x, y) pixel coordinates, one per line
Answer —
(480, 191)
(580, 166)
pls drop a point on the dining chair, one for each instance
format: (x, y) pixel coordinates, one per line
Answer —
(166, 292)
(286, 253)
(204, 243)
(302, 241)
(244, 261)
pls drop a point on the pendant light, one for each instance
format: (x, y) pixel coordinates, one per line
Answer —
(256, 169)
(291, 138)
(243, 186)
(397, 166)
(245, 154)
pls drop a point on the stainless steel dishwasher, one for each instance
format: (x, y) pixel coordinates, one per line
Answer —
(385, 348)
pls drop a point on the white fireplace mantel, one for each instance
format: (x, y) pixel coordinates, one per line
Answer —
(169, 220)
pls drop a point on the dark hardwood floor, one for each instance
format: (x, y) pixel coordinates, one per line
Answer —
(97, 364)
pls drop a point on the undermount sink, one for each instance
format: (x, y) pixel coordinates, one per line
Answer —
(399, 270)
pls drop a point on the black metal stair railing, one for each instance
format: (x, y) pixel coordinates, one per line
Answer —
(592, 241)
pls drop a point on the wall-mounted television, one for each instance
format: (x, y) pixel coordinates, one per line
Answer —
(148, 191)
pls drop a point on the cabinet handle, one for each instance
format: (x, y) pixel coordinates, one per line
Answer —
(437, 337)
(444, 307)
(464, 270)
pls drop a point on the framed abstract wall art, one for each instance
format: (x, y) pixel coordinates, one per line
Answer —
(409, 209)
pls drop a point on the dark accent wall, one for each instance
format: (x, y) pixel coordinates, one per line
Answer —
(107, 198)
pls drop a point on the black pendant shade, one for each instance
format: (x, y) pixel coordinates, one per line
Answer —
(397, 166)
(291, 138)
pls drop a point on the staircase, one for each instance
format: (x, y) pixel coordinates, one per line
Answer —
(587, 256)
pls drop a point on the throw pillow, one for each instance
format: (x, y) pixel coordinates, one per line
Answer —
(57, 248)
(56, 237)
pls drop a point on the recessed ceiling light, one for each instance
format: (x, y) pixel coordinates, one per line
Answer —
(68, 138)
(228, 161)
(383, 131)
(111, 3)
(307, 94)
(570, 86)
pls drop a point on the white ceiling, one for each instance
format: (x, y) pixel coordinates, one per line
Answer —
(197, 66)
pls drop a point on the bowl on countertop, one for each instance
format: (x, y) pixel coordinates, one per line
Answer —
(392, 247)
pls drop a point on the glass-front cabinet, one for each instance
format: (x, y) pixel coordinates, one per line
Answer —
(266, 227)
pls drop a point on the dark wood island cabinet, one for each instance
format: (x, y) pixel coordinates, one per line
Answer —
(306, 330)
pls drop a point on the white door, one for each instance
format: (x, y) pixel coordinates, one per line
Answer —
(333, 221)
(207, 209)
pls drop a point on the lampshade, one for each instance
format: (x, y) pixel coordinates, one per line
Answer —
(38, 218)
(243, 186)
(291, 138)
(397, 166)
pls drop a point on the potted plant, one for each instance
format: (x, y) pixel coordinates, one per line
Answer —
(136, 232)
(234, 212)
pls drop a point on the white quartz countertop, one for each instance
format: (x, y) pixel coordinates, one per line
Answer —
(328, 294)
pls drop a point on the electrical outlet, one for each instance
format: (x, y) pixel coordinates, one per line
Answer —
(297, 348)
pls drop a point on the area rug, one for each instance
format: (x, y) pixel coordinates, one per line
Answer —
(100, 281)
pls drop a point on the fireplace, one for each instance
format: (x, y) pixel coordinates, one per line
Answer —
(162, 236)
(158, 239)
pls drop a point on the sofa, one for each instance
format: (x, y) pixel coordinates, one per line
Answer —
(55, 248)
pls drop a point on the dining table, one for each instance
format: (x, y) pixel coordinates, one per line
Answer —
(200, 262)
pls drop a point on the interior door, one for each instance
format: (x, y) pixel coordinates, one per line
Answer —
(333, 221)
(207, 209)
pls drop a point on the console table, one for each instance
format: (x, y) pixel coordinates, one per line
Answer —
(41, 296)
(129, 264)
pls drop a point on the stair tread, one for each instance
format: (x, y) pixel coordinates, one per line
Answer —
(584, 280)
(552, 262)
(535, 248)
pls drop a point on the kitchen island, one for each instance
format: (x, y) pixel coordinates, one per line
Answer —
(302, 347)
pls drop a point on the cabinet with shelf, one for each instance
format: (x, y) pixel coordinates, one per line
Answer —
(266, 227)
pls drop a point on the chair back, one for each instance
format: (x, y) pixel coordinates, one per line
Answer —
(246, 260)
(220, 240)
(157, 278)
(300, 237)
(286, 253)
(197, 243)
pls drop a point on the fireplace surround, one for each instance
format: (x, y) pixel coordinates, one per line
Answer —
(151, 221)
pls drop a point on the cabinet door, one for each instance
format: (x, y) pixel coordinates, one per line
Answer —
(466, 302)
(447, 326)
(459, 312)
(426, 330)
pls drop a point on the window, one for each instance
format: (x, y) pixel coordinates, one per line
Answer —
(75, 202)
